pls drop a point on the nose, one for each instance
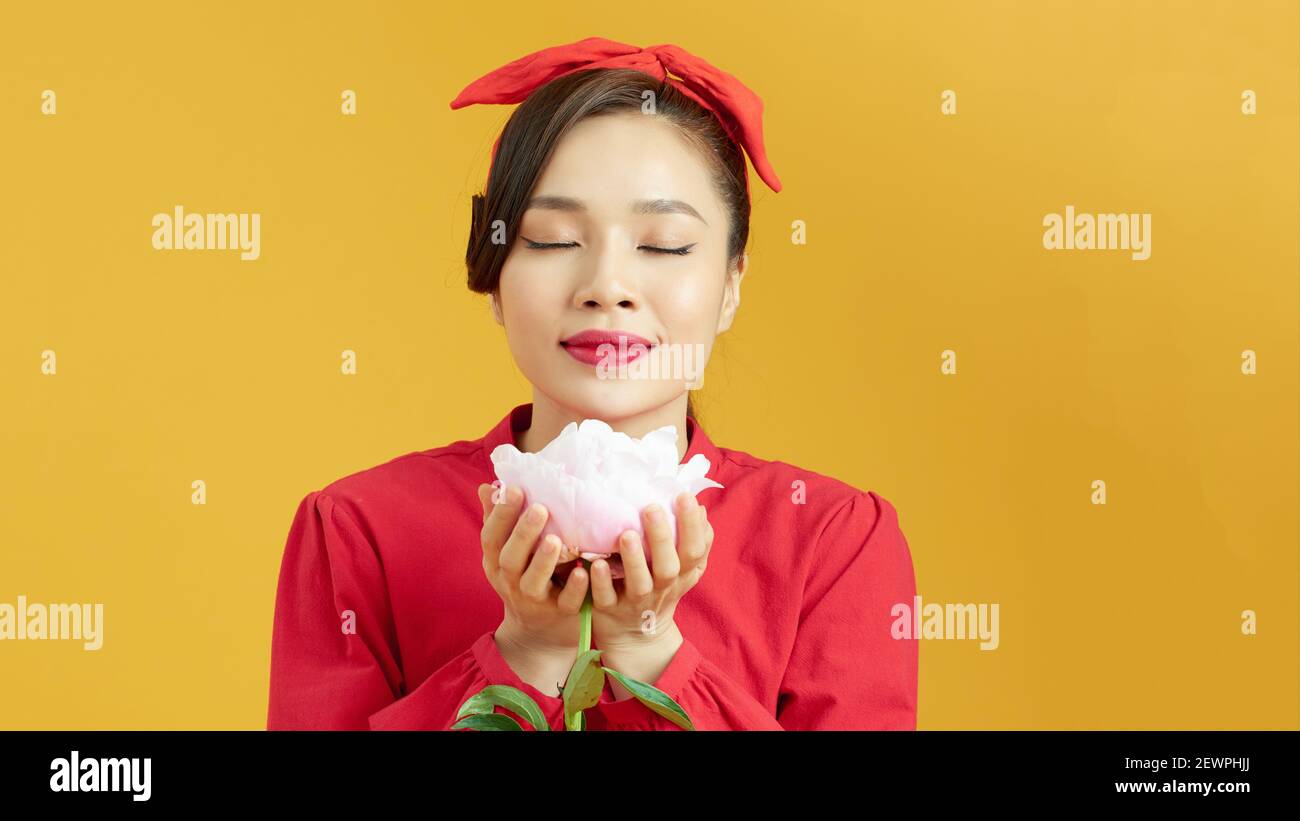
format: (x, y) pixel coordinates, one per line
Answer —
(607, 279)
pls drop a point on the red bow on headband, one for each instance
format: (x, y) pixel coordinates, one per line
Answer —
(738, 109)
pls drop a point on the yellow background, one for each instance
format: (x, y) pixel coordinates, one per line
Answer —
(924, 234)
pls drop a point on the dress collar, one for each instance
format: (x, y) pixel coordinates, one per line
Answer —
(520, 417)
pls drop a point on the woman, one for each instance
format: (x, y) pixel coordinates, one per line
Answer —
(617, 204)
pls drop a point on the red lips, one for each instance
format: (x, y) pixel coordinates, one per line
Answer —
(588, 347)
(594, 337)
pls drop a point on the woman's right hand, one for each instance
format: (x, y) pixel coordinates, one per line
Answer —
(540, 616)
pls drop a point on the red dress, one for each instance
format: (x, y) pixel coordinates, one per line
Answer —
(789, 628)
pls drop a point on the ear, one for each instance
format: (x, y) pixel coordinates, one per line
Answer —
(494, 299)
(731, 293)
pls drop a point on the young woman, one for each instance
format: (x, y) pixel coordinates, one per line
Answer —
(617, 204)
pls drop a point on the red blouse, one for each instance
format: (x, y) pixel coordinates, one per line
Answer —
(788, 629)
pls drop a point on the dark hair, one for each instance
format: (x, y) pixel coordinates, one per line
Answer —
(535, 129)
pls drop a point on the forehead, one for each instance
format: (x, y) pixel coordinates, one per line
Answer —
(610, 160)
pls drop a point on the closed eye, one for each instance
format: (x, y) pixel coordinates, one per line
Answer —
(685, 249)
(541, 246)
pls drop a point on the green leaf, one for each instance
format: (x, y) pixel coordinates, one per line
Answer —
(487, 721)
(512, 698)
(583, 687)
(654, 698)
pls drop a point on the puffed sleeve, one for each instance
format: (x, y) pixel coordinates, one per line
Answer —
(433, 704)
(334, 658)
(846, 671)
(711, 698)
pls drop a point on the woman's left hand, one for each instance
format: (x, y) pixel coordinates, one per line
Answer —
(642, 617)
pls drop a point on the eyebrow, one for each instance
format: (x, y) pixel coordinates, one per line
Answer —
(555, 202)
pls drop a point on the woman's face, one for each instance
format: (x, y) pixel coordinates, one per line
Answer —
(617, 188)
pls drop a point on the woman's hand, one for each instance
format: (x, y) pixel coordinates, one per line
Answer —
(636, 628)
(540, 616)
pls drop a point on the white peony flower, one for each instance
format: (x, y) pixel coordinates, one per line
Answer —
(595, 481)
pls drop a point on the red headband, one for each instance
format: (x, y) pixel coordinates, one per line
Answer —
(738, 109)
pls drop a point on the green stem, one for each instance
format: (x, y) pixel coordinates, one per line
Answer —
(584, 635)
(584, 615)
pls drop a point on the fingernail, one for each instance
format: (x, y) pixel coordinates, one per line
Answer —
(654, 510)
(535, 513)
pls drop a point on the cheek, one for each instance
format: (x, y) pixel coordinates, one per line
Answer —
(525, 297)
(690, 305)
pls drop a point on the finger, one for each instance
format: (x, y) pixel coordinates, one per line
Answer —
(536, 581)
(663, 553)
(485, 492)
(690, 530)
(496, 524)
(489, 564)
(602, 586)
(574, 593)
(499, 523)
(498, 491)
(514, 556)
(636, 576)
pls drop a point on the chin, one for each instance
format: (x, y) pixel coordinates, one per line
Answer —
(616, 399)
